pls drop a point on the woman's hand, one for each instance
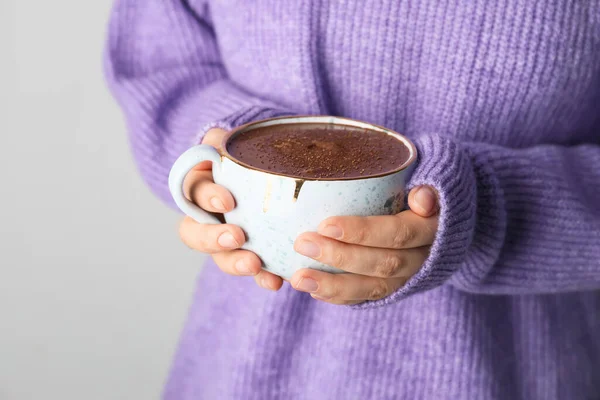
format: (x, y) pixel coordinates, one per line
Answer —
(223, 241)
(382, 252)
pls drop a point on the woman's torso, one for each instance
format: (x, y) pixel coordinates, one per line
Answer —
(242, 342)
(512, 73)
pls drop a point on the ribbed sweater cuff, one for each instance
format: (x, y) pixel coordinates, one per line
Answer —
(446, 167)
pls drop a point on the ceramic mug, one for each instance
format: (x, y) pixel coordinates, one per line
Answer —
(273, 209)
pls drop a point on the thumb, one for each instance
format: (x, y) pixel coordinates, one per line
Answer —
(214, 137)
(423, 201)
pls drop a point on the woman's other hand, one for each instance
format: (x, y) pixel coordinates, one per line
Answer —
(381, 252)
(223, 241)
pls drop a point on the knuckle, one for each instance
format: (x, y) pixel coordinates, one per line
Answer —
(190, 240)
(389, 266)
(361, 235)
(203, 246)
(334, 291)
(403, 236)
(379, 291)
(201, 191)
(224, 261)
(184, 234)
(339, 259)
(218, 260)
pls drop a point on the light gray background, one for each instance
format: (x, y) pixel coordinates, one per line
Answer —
(94, 284)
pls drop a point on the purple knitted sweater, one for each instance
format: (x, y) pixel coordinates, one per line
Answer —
(502, 99)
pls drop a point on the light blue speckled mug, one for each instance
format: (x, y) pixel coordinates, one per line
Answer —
(274, 209)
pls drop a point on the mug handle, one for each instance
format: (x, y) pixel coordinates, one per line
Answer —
(184, 164)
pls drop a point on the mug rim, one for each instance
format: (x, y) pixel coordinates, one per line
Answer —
(317, 119)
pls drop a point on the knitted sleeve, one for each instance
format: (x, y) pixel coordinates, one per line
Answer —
(512, 221)
(163, 66)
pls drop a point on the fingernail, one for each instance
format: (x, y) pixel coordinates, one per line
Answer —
(227, 241)
(217, 204)
(242, 267)
(307, 285)
(332, 231)
(308, 249)
(314, 296)
(425, 198)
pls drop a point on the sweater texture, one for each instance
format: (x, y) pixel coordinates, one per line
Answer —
(502, 99)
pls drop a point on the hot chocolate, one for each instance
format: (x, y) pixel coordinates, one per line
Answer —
(319, 151)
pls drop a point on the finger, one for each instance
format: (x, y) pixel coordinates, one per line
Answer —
(268, 281)
(423, 200)
(238, 262)
(371, 261)
(210, 238)
(344, 288)
(214, 137)
(337, 302)
(401, 231)
(201, 190)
